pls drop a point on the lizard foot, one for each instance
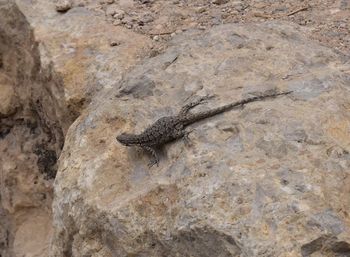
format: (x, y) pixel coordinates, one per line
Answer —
(153, 162)
(187, 140)
(185, 109)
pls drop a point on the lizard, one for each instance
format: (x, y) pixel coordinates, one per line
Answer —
(170, 128)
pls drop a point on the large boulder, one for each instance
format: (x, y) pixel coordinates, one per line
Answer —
(271, 179)
(51, 64)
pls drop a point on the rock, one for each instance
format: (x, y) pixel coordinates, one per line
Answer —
(147, 18)
(201, 9)
(8, 101)
(125, 4)
(145, 1)
(115, 43)
(111, 9)
(46, 62)
(219, 2)
(270, 179)
(73, 38)
(33, 120)
(117, 22)
(63, 5)
(118, 14)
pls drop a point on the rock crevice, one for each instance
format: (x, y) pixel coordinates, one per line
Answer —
(33, 121)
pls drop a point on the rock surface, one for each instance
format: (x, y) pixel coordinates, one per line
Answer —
(46, 61)
(33, 121)
(271, 179)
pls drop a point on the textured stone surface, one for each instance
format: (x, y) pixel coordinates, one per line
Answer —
(46, 64)
(268, 180)
(78, 43)
(271, 179)
(33, 119)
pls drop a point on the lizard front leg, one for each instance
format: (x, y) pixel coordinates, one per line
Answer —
(155, 159)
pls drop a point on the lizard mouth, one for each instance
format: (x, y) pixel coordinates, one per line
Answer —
(123, 139)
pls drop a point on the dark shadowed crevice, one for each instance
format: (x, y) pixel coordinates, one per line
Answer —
(33, 122)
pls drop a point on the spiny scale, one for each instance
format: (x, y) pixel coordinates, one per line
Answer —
(170, 128)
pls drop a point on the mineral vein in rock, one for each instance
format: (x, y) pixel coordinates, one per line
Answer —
(170, 128)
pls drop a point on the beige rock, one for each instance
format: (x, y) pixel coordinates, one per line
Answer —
(50, 84)
(77, 44)
(257, 181)
(267, 180)
(32, 239)
(63, 5)
(219, 1)
(8, 104)
(32, 122)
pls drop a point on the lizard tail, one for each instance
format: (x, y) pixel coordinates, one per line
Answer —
(191, 118)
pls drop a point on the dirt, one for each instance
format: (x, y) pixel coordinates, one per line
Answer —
(328, 20)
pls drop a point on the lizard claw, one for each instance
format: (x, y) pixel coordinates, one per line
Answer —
(204, 99)
(152, 163)
(186, 138)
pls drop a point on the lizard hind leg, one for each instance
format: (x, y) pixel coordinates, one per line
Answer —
(152, 151)
(185, 109)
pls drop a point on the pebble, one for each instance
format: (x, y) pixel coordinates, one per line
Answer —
(218, 2)
(117, 22)
(111, 10)
(201, 9)
(63, 5)
(147, 18)
(128, 26)
(115, 43)
(119, 14)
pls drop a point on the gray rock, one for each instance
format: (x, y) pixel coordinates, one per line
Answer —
(63, 5)
(256, 181)
(219, 2)
(329, 221)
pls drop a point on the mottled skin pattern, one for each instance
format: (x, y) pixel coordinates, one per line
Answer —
(170, 128)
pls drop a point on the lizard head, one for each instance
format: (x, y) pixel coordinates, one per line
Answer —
(126, 139)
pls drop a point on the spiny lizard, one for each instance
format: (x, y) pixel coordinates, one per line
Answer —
(170, 128)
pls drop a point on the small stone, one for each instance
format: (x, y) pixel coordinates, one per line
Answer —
(156, 38)
(109, 1)
(115, 43)
(117, 22)
(119, 14)
(147, 18)
(8, 103)
(201, 9)
(126, 4)
(112, 9)
(63, 5)
(218, 2)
